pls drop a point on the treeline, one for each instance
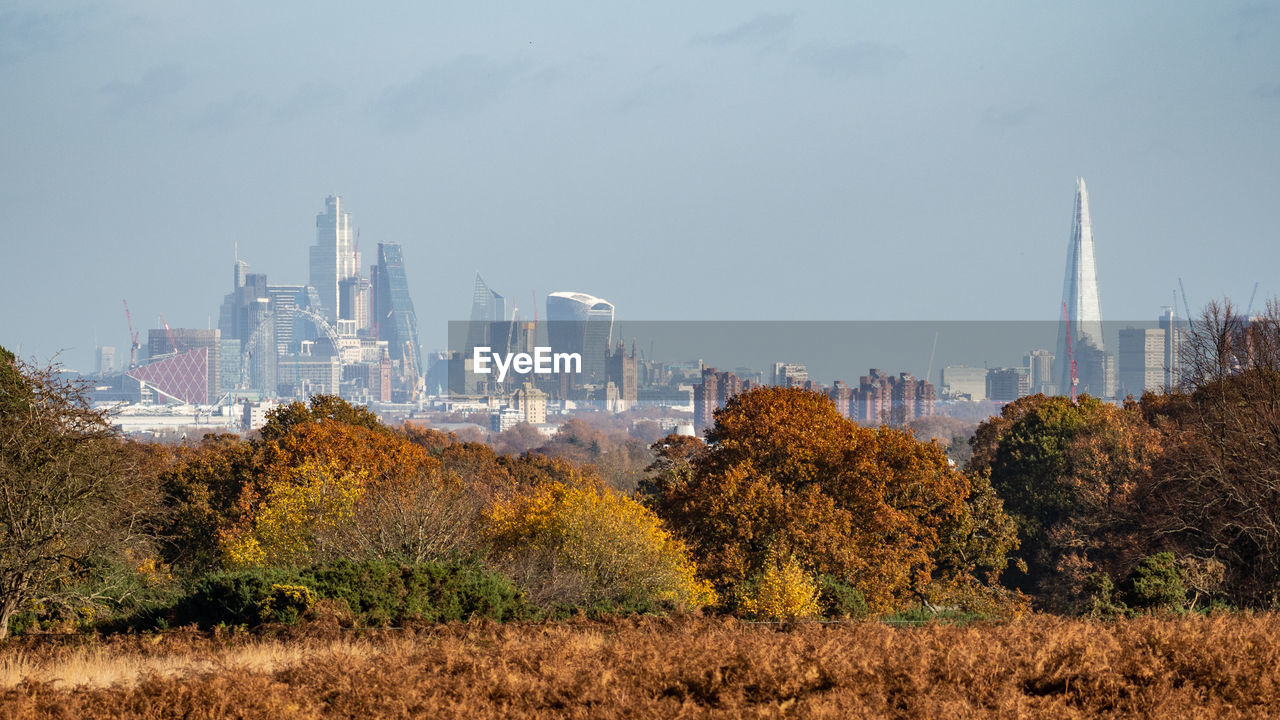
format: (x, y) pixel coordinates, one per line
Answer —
(1169, 503)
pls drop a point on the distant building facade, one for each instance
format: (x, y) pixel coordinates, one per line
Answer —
(1008, 384)
(716, 389)
(962, 382)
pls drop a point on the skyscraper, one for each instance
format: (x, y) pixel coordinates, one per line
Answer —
(1081, 311)
(581, 323)
(393, 313)
(333, 257)
(488, 310)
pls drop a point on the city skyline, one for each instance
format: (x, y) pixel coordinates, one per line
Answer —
(673, 167)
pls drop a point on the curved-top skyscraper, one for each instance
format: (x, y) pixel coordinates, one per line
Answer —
(581, 323)
(1080, 299)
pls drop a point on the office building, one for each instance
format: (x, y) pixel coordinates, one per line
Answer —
(334, 257)
(960, 382)
(106, 359)
(581, 323)
(1008, 384)
(165, 343)
(1141, 361)
(395, 320)
(1039, 364)
(353, 302)
(285, 301)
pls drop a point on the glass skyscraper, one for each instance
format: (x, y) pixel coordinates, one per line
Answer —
(333, 257)
(581, 323)
(1095, 368)
(393, 313)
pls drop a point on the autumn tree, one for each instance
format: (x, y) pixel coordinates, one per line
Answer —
(1074, 477)
(583, 543)
(321, 407)
(72, 493)
(785, 475)
(1218, 491)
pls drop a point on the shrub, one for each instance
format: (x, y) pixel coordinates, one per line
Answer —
(838, 599)
(783, 590)
(1156, 584)
(1101, 599)
(382, 592)
(591, 546)
(287, 604)
(377, 592)
(231, 597)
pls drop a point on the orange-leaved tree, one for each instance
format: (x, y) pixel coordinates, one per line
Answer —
(784, 474)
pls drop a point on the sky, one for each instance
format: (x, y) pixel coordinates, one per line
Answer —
(708, 161)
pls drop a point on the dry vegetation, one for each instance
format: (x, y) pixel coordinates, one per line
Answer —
(1219, 666)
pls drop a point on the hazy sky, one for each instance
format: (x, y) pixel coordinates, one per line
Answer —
(709, 160)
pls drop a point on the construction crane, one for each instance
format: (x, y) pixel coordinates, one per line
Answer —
(511, 327)
(133, 338)
(533, 294)
(1071, 356)
(1251, 299)
(1185, 306)
(169, 333)
(928, 373)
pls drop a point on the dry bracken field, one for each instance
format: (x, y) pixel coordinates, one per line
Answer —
(1216, 667)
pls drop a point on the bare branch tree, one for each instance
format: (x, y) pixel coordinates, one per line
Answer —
(71, 490)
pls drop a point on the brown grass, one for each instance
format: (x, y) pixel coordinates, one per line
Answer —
(1224, 666)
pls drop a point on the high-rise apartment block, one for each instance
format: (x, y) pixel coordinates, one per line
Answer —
(1039, 364)
(712, 393)
(884, 398)
(790, 374)
(531, 403)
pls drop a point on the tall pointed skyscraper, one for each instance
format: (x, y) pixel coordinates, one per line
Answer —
(1095, 368)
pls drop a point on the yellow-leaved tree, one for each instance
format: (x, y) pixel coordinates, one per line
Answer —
(305, 506)
(584, 544)
(784, 590)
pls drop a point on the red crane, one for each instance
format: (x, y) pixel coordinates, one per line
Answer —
(133, 338)
(169, 333)
(1071, 356)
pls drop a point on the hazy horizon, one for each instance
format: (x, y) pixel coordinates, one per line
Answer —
(721, 161)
